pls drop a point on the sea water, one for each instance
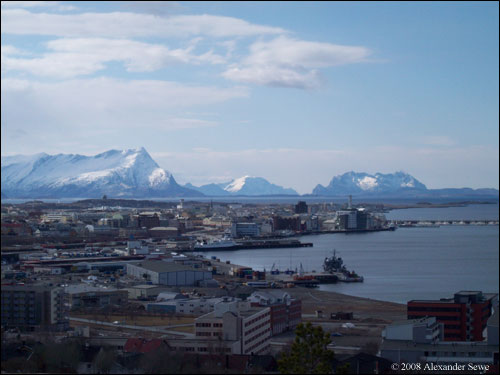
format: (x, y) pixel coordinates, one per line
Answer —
(401, 265)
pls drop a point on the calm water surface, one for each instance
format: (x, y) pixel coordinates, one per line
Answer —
(409, 263)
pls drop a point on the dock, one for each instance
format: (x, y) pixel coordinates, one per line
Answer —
(257, 244)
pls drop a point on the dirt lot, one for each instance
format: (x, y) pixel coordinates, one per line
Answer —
(364, 309)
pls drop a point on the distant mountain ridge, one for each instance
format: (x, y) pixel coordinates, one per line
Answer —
(246, 185)
(393, 185)
(134, 174)
(117, 173)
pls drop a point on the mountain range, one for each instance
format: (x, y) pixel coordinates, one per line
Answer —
(246, 185)
(393, 185)
(134, 174)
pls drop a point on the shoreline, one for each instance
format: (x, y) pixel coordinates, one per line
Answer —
(363, 308)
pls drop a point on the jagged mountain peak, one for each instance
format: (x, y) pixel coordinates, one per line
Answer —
(246, 185)
(365, 183)
(130, 172)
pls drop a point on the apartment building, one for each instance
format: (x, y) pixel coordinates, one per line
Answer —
(33, 307)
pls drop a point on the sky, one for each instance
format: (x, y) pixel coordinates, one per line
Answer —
(295, 92)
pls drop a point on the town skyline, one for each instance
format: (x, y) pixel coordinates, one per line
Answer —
(215, 91)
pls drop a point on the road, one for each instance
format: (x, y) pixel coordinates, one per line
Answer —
(141, 328)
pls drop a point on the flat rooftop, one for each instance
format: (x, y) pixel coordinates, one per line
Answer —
(85, 288)
(486, 297)
(412, 321)
(161, 266)
(244, 314)
(451, 346)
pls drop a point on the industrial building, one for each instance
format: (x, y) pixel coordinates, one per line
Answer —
(464, 316)
(83, 296)
(245, 230)
(167, 273)
(33, 307)
(145, 291)
(185, 305)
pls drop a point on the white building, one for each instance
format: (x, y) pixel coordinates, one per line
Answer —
(239, 326)
(425, 330)
(415, 342)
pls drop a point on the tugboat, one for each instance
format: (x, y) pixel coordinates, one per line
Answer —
(335, 265)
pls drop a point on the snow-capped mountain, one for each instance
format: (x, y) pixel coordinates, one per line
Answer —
(367, 184)
(212, 190)
(116, 173)
(246, 185)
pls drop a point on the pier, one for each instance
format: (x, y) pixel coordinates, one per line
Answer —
(257, 244)
(436, 223)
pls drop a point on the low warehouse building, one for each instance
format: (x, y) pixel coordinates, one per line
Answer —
(87, 296)
(166, 273)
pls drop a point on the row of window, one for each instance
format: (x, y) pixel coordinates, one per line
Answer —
(204, 324)
(434, 309)
(203, 333)
(257, 327)
(250, 349)
(439, 318)
(257, 318)
(263, 333)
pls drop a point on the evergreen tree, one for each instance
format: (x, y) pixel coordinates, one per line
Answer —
(309, 353)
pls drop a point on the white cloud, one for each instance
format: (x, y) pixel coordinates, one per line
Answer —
(37, 4)
(275, 76)
(8, 50)
(101, 109)
(289, 62)
(439, 140)
(81, 56)
(127, 25)
(153, 7)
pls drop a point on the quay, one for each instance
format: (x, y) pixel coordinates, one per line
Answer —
(257, 244)
(437, 223)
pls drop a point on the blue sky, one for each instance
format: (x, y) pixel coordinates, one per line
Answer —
(294, 92)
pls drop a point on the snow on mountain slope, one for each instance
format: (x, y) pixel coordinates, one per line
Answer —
(364, 183)
(214, 190)
(246, 185)
(117, 173)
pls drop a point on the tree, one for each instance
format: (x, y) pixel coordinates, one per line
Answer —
(104, 361)
(309, 353)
